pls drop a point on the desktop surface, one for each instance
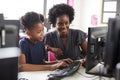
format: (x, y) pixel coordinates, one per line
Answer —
(42, 75)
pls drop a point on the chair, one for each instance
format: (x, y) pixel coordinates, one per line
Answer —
(10, 33)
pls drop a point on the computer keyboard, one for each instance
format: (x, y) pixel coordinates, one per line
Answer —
(73, 67)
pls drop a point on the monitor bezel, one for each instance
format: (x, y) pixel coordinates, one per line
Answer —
(89, 57)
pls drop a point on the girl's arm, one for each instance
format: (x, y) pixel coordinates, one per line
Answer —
(23, 66)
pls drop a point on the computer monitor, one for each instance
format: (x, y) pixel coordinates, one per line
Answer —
(95, 50)
(9, 63)
(9, 33)
(112, 51)
(1, 26)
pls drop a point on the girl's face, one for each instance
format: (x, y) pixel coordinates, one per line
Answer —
(62, 25)
(37, 33)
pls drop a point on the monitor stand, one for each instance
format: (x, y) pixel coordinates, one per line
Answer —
(99, 68)
(117, 76)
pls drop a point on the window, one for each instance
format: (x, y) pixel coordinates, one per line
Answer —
(109, 10)
(14, 9)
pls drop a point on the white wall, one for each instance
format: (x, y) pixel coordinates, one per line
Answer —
(84, 9)
(76, 23)
(14, 9)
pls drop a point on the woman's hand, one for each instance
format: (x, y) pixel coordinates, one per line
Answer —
(62, 63)
(83, 62)
(68, 60)
(58, 65)
(57, 51)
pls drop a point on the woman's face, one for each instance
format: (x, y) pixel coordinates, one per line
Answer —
(62, 25)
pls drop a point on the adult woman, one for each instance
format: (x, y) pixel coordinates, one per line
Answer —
(64, 42)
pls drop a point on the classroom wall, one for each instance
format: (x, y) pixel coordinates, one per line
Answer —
(84, 9)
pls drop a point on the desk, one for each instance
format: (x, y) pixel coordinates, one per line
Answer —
(42, 75)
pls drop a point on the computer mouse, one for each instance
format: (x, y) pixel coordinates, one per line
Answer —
(53, 78)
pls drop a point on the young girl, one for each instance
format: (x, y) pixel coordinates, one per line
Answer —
(33, 51)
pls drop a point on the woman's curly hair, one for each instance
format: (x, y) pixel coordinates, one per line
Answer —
(58, 10)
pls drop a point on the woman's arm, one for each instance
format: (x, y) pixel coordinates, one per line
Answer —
(84, 47)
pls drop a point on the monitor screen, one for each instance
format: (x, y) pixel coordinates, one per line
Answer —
(1, 26)
(95, 50)
(112, 51)
(9, 63)
(10, 33)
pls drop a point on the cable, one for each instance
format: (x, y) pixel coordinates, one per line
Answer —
(96, 77)
(85, 75)
(99, 77)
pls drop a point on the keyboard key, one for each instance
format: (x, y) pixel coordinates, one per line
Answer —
(73, 67)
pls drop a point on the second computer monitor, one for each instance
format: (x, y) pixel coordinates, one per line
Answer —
(95, 49)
